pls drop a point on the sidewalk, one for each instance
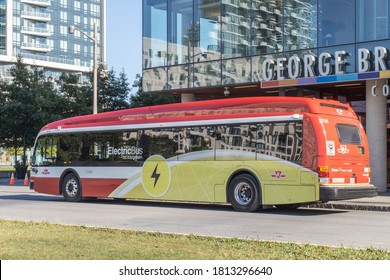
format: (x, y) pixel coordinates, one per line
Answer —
(18, 182)
(378, 203)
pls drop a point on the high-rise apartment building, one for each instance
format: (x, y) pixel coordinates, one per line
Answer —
(37, 30)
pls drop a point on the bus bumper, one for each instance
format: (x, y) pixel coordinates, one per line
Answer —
(345, 192)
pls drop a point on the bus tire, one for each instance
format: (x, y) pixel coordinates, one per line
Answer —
(71, 188)
(244, 193)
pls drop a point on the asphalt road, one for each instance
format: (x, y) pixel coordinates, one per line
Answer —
(347, 228)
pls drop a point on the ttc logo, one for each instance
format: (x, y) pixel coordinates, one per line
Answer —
(343, 149)
(278, 174)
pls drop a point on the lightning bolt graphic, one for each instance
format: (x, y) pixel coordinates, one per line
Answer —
(155, 176)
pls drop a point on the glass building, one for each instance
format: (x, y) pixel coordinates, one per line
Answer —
(335, 49)
(37, 30)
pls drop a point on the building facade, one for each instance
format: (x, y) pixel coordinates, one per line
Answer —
(334, 49)
(37, 30)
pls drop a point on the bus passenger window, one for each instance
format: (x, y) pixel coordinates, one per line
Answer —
(46, 152)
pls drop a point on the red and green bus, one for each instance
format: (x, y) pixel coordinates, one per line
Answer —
(251, 153)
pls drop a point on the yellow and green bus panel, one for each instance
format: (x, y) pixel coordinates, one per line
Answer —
(248, 152)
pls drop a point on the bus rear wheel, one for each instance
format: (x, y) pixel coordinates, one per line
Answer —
(244, 193)
(71, 188)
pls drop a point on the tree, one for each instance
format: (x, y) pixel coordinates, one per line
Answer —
(77, 96)
(113, 91)
(28, 102)
(141, 99)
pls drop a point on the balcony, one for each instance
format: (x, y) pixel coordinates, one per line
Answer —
(41, 32)
(36, 47)
(40, 3)
(45, 17)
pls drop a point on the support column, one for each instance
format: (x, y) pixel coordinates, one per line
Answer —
(376, 128)
(187, 97)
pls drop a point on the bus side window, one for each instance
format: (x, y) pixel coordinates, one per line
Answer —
(46, 151)
(198, 138)
(281, 140)
(144, 144)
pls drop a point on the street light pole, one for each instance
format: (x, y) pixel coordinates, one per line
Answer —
(93, 38)
(95, 68)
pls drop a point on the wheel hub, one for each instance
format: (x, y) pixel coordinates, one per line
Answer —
(243, 193)
(71, 188)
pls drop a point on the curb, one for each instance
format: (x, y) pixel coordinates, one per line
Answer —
(341, 206)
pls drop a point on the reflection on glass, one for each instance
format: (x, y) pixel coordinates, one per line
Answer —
(336, 22)
(257, 67)
(154, 33)
(240, 137)
(267, 21)
(236, 27)
(372, 19)
(207, 30)
(207, 74)
(300, 24)
(236, 71)
(193, 139)
(154, 79)
(163, 142)
(180, 31)
(179, 77)
(280, 140)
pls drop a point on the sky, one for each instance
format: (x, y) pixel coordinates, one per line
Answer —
(124, 37)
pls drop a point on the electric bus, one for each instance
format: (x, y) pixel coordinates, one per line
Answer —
(251, 153)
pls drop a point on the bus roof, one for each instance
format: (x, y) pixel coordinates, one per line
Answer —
(210, 109)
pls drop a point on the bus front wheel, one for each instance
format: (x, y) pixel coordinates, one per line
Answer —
(71, 188)
(244, 193)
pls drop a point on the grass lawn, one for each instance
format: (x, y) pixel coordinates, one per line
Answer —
(43, 241)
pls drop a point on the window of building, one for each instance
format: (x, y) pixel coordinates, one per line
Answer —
(63, 16)
(179, 77)
(64, 3)
(76, 48)
(236, 28)
(300, 24)
(336, 22)
(207, 74)
(236, 71)
(64, 30)
(180, 30)
(64, 46)
(372, 20)
(155, 33)
(267, 26)
(207, 30)
(77, 5)
(76, 19)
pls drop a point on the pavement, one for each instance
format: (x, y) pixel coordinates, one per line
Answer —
(378, 203)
